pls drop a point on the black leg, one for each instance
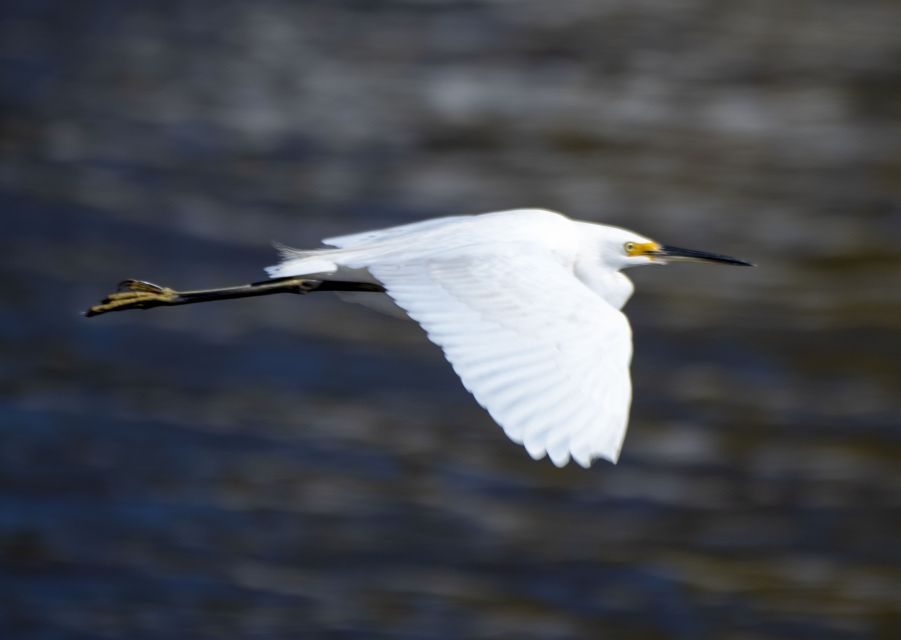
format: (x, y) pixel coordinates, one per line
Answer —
(137, 294)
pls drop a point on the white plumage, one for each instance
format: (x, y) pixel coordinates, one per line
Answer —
(524, 304)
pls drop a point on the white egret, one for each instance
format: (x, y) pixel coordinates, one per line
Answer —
(525, 305)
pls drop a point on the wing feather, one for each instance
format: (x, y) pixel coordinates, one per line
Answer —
(381, 235)
(547, 357)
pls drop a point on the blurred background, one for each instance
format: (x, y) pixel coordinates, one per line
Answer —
(299, 468)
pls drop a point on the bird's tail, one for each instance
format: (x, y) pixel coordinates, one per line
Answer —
(303, 262)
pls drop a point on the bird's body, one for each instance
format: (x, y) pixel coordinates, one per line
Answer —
(578, 247)
(525, 305)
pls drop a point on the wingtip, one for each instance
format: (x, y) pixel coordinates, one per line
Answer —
(561, 460)
(584, 459)
(581, 459)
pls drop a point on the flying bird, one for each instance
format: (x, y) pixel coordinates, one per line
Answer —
(525, 304)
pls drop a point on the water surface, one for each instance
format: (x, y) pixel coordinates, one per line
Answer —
(284, 468)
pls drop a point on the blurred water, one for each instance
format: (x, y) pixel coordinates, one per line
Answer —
(285, 468)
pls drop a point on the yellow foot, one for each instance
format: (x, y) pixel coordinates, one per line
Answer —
(134, 294)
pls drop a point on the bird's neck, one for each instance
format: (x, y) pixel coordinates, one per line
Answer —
(612, 286)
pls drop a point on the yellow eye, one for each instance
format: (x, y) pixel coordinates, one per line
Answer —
(631, 248)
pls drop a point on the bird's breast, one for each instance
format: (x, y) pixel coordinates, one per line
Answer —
(613, 286)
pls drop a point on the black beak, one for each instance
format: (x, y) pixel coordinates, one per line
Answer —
(669, 253)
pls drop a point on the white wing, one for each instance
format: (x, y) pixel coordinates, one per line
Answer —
(381, 235)
(546, 356)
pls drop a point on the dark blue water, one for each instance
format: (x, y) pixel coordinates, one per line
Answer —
(298, 468)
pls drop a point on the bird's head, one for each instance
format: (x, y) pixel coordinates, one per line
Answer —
(628, 249)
